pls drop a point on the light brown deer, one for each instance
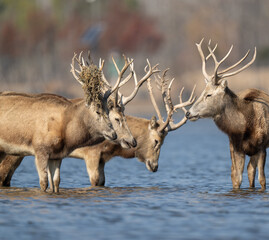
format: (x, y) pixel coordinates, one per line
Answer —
(50, 126)
(115, 112)
(243, 117)
(149, 134)
(116, 107)
(117, 102)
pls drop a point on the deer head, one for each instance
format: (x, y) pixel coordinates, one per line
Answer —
(90, 77)
(159, 128)
(213, 99)
(118, 101)
(115, 101)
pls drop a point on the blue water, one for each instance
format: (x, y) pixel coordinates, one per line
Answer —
(190, 197)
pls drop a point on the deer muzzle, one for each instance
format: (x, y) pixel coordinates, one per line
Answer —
(151, 166)
(191, 117)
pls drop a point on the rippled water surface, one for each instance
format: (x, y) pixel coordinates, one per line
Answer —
(190, 197)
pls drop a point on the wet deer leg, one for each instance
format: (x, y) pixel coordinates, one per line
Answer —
(238, 162)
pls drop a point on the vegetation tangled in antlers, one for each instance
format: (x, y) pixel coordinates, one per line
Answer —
(91, 76)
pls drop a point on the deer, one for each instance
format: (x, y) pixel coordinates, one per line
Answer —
(117, 102)
(149, 134)
(116, 105)
(49, 126)
(244, 117)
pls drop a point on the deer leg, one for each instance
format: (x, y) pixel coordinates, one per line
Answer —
(3, 166)
(41, 161)
(11, 164)
(261, 164)
(51, 185)
(92, 164)
(8, 165)
(101, 173)
(252, 165)
(54, 174)
(238, 162)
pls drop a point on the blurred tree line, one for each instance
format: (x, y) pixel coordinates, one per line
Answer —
(38, 37)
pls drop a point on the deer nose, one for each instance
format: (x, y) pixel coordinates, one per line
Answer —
(114, 136)
(134, 143)
(187, 114)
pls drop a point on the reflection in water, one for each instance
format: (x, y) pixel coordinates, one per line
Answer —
(13, 193)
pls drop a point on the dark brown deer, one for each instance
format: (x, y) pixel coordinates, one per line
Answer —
(149, 134)
(243, 117)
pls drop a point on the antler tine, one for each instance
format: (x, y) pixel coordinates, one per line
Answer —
(79, 59)
(165, 90)
(115, 64)
(218, 63)
(214, 49)
(126, 65)
(190, 101)
(168, 105)
(153, 100)
(236, 64)
(83, 62)
(241, 69)
(73, 70)
(101, 66)
(172, 126)
(199, 47)
(130, 75)
(138, 84)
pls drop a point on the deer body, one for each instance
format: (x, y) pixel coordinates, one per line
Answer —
(49, 127)
(243, 117)
(149, 143)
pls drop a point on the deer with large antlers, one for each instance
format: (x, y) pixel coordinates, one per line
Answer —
(116, 104)
(50, 126)
(243, 117)
(149, 135)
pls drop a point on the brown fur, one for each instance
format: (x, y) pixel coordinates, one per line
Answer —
(149, 142)
(245, 119)
(49, 127)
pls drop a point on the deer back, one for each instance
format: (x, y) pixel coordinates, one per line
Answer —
(33, 121)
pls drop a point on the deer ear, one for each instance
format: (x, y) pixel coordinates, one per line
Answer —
(223, 83)
(153, 123)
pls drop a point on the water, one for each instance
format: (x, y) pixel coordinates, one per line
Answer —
(190, 197)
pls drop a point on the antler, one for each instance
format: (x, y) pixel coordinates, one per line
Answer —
(216, 77)
(149, 72)
(204, 59)
(73, 70)
(172, 126)
(120, 82)
(168, 124)
(81, 62)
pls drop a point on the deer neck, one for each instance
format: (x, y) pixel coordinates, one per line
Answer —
(79, 130)
(139, 129)
(231, 119)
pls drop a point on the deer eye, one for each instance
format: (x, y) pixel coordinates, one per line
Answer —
(156, 143)
(117, 120)
(208, 95)
(98, 113)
